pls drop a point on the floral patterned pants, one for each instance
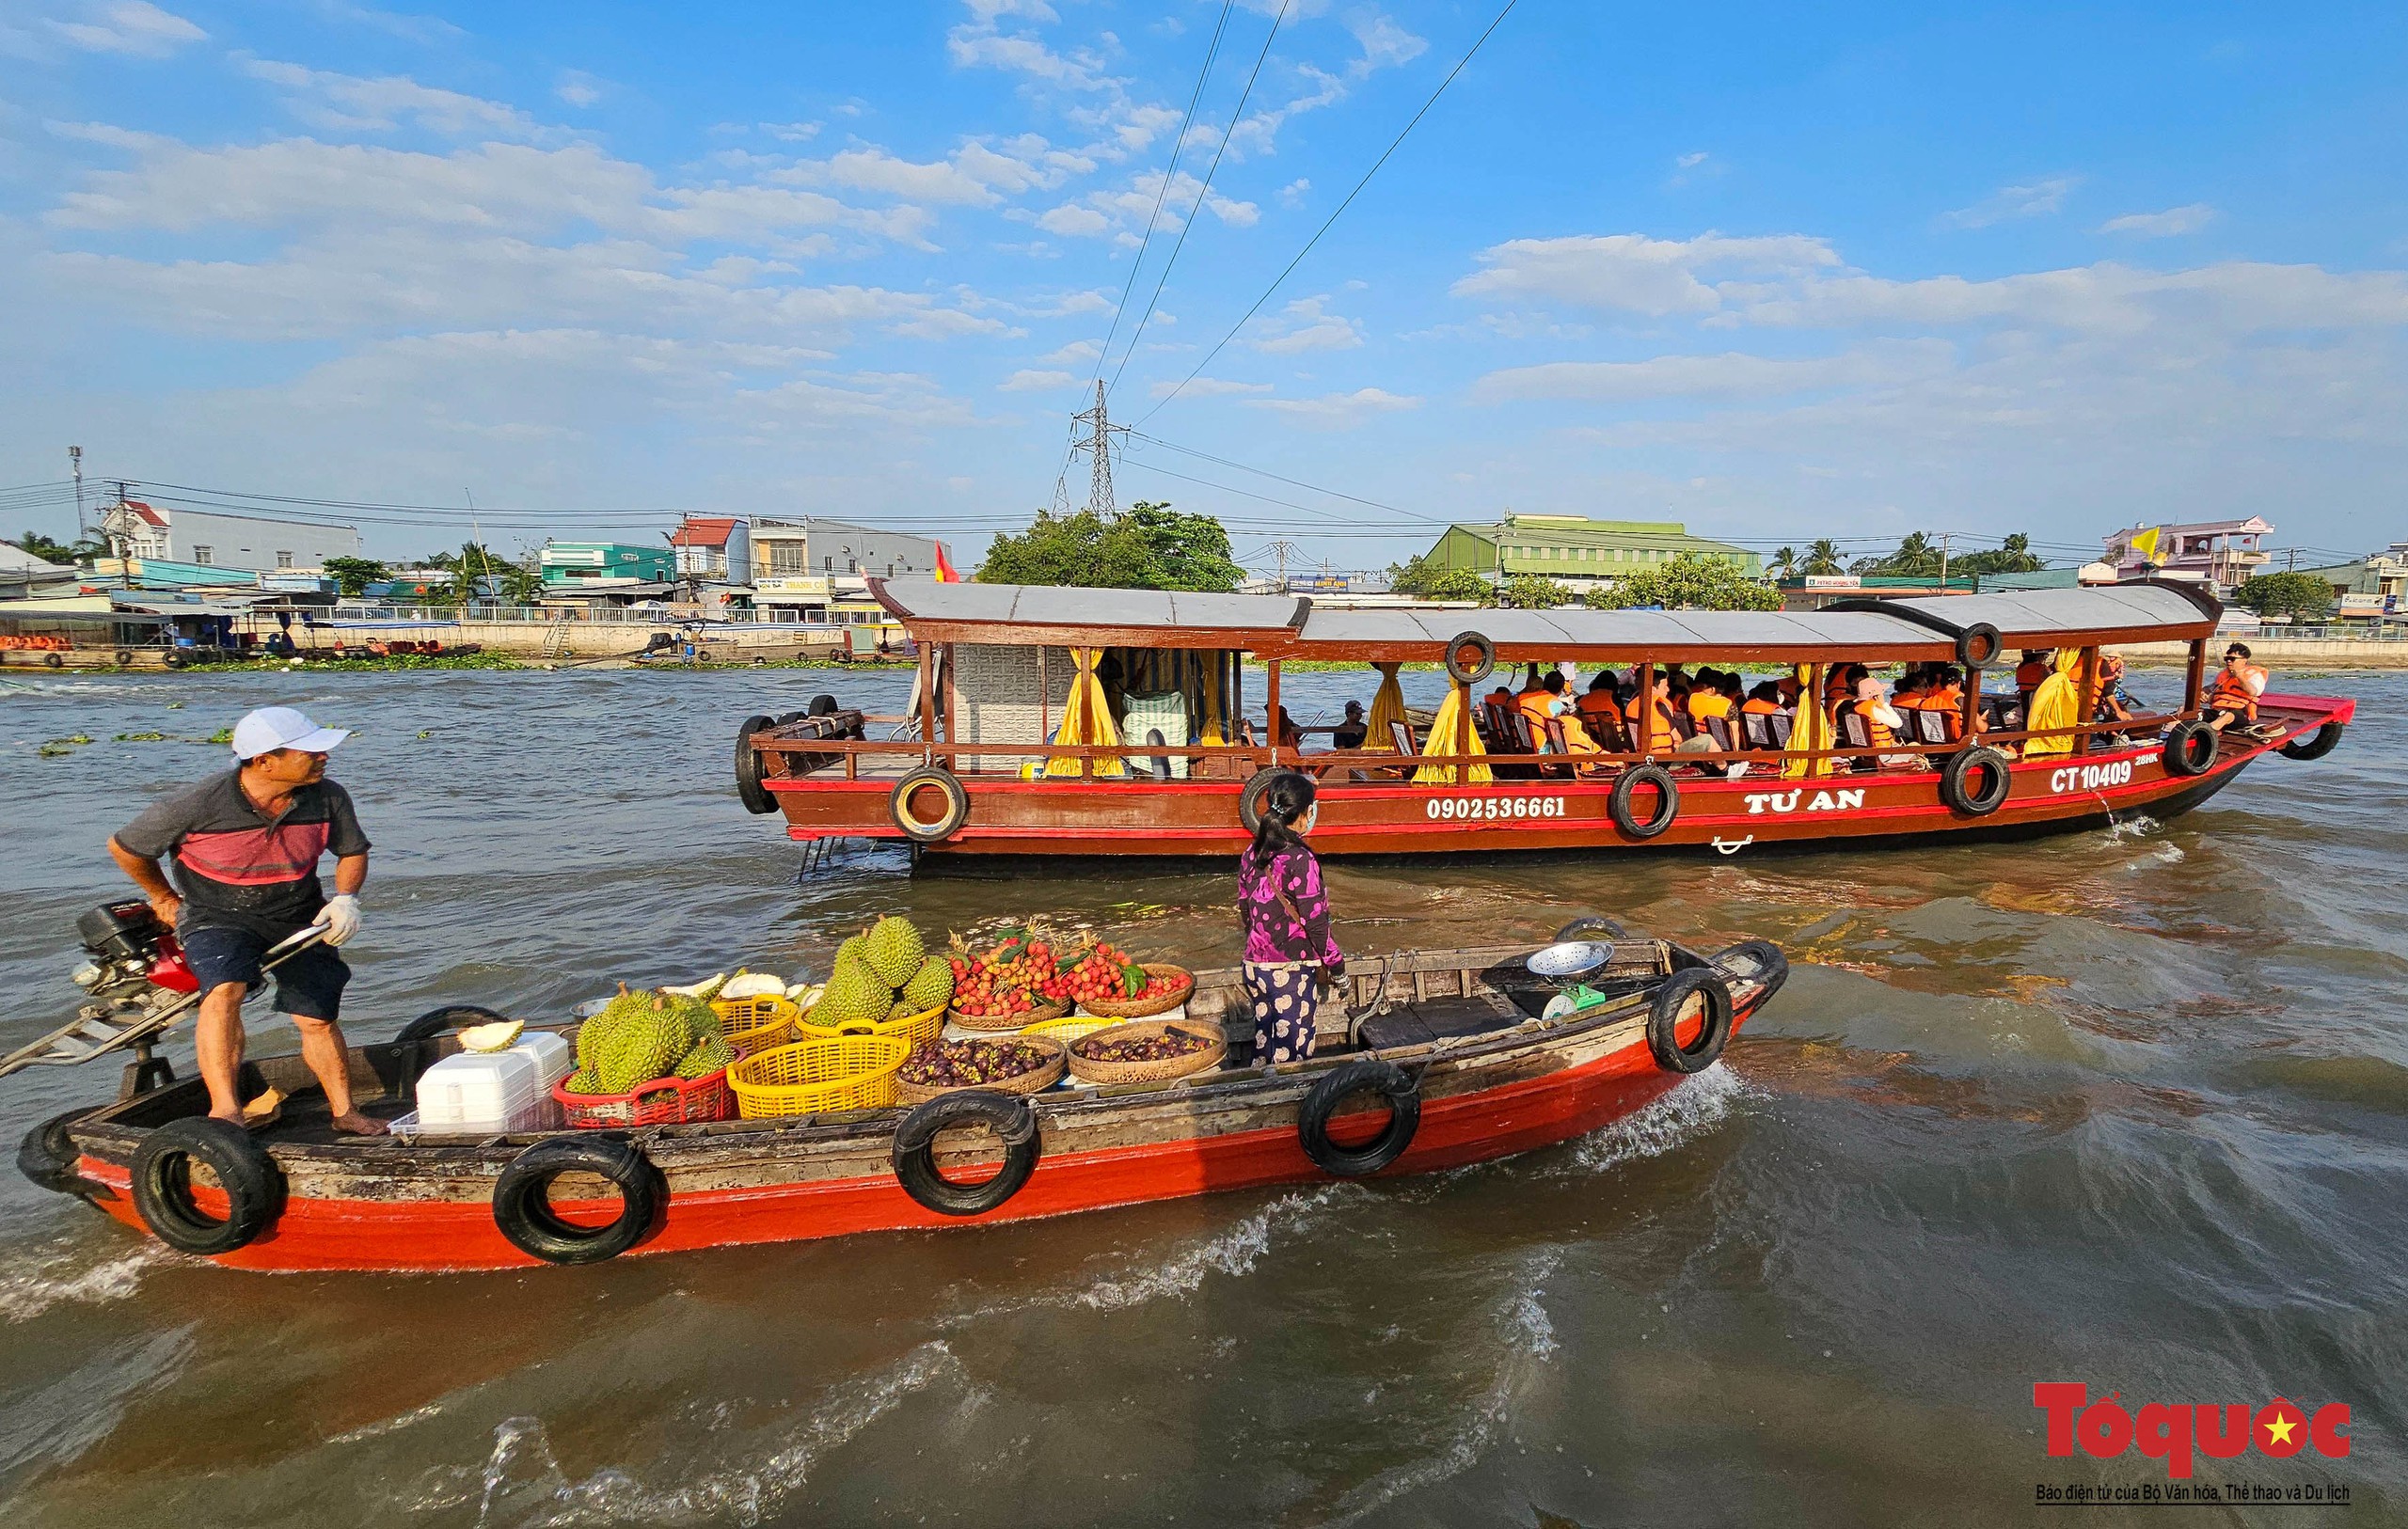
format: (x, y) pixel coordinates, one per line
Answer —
(1286, 998)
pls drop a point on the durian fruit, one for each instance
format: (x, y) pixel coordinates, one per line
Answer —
(893, 950)
(591, 1035)
(851, 947)
(931, 986)
(706, 1058)
(499, 1037)
(642, 1047)
(583, 1081)
(696, 1019)
(902, 1010)
(854, 994)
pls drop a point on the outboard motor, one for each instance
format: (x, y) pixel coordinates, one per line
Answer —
(131, 953)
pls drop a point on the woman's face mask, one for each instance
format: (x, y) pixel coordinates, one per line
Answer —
(1312, 815)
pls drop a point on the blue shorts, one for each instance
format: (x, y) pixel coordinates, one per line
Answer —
(308, 984)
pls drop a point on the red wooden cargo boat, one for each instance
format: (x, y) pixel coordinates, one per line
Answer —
(977, 766)
(1457, 1043)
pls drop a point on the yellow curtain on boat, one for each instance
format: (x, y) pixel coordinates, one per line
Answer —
(1208, 665)
(1087, 719)
(1441, 744)
(1387, 705)
(2056, 704)
(1809, 732)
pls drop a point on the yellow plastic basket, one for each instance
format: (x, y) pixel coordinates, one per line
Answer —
(756, 1024)
(913, 1029)
(1066, 1031)
(850, 1072)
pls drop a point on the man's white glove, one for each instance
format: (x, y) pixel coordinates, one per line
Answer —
(340, 917)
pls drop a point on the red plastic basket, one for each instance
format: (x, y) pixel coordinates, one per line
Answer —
(664, 1102)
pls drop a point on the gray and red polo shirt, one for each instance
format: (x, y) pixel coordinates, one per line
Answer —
(238, 867)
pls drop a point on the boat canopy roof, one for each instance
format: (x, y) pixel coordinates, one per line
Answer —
(1279, 627)
(1034, 613)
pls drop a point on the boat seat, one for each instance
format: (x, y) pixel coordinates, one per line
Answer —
(1435, 1018)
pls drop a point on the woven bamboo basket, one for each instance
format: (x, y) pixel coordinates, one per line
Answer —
(997, 1023)
(1090, 1070)
(1041, 1076)
(1140, 1008)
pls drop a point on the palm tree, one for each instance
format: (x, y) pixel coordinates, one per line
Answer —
(1823, 557)
(1785, 561)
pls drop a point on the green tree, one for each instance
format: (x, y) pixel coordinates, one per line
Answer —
(1151, 547)
(1822, 558)
(1425, 577)
(61, 553)
(1533, 592)
(1918, 556)
(354, 574)
(1784, 562)
(2300, 597)
(1688, 581)
(2015, 556)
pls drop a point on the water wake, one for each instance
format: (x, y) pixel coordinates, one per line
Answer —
(1688, 1110)
(31, 1284)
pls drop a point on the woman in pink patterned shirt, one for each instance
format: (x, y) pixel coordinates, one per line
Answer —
(1290, 957)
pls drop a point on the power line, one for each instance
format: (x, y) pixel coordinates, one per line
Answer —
(1334, 216)
(1297, 482)
(1169, 173)
(1197, 211)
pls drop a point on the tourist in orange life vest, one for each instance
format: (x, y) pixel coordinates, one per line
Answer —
(2233, 695)
(1944, 693)
(1661, 733)
(2038, 666)
(1502, 696)
(1538, 705)
(1764, 701)
(1882, 724)
(1600, 699)
(1913, 684)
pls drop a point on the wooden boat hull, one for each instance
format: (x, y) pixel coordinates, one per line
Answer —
(389, 1207)
(1014, 817)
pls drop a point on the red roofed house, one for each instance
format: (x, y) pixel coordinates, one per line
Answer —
(715, 547)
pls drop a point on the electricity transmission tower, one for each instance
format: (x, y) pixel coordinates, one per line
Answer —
(1098, 445)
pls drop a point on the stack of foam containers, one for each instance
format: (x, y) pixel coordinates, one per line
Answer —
(492, 1093)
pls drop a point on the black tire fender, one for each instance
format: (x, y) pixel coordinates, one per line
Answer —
(749, 767)
(48, 1157)
(2190, 748)
(162, 1172)
(945, 825)
(1667, 803)
(124, 658)
(1967, 767)
(522, 1205)
(1592, 926)
(1477, 666)
(1770, 965)
(443, 1022)
(1364, 1075)
(1250, 799)
(2327, 738)
(1664, 1017)
(54, 660)
(1978, 647)
(176, 660)
(1008, 1115)
(822, 704)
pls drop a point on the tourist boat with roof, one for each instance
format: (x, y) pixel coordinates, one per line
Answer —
(1444, 1058)
(1048, 721)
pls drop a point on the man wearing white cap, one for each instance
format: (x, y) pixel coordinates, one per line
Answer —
(245, 845)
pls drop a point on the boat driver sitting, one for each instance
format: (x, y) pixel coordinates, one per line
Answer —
(245, 844)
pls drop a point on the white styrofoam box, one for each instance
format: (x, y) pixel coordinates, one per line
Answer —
(492, 1090)
(554, 1059)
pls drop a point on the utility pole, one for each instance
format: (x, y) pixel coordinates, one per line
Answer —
(1279, 551)
(1944, 539)
(75, 462)
(1098, 448)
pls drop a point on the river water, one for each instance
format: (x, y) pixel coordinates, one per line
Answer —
(2126, 1108)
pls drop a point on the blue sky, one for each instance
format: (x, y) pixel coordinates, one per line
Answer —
(1777, 272)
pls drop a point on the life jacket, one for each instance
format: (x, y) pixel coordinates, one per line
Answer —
(2032, 673)
(1537, 707)
(1597, 703)
(2231, 693)
(1759, 708)
(1706, 703)
(1502, 697)
(1949, 701)
(1660, 736)
(1877, 732)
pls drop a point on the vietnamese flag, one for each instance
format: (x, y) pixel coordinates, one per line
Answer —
(945, 567)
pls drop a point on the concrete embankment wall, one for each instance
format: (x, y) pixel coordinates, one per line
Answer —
(2279, 654)
(595, 640)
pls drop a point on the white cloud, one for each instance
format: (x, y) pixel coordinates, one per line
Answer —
(1072, 220)
(577, 88)
(1337, 411)
(2165, 225)
(135, 29)
(1209, 387)
(1385, 44)
(1078, 351)
(350, 103)
(1631, 273)
(1293, 194)
(1307, 324)
(408, 29)
(1726, 377)
(1036, 382)
(2038, 200)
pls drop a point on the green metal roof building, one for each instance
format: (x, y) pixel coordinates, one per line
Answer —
(1576, 550)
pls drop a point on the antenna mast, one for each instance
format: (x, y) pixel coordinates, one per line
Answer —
(1098, 448)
